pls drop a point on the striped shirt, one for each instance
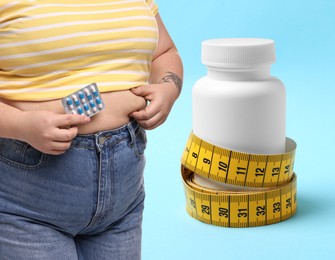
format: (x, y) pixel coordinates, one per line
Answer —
(51, 48)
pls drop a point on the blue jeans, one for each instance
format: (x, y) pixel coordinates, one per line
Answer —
(84, 204)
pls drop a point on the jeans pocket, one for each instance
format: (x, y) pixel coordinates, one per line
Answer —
(20, 154)
(140, 142)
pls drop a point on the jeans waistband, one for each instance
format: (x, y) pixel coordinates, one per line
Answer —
(107, 137)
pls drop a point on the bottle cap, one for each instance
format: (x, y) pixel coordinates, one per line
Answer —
(238, 52)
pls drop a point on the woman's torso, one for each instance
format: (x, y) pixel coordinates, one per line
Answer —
(49, 49)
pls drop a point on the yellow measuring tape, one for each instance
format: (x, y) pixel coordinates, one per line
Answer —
(273, 195)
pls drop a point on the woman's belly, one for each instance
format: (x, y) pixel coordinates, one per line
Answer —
(118, 106)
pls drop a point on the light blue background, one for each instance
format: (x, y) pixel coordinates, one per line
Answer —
(305, 41)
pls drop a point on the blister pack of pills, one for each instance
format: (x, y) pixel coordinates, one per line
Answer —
(86, 101)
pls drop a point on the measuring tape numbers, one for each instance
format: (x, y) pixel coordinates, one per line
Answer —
(271, 198)
(238, 168)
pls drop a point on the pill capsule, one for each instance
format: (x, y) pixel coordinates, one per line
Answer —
(93, 106)
(87, 109)
(80, 111)
(81, 96)
(94, 91)
(69, 103)
(76, 101)
(73, 112)
(99, 103)
(88, 94)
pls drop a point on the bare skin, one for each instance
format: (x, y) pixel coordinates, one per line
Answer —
(119, 105)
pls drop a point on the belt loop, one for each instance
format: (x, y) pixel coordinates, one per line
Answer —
(98, 143)
(131, 131)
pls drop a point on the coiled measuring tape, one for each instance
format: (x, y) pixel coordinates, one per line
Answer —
(271, 199)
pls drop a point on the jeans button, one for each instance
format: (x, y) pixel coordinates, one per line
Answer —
(102, 140)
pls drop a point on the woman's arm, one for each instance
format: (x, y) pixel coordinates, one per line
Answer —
(166, 64)
(165, 82)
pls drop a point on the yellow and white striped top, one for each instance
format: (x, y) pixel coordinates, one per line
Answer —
(51, 48)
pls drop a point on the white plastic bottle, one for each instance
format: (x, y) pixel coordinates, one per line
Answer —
(238, 105)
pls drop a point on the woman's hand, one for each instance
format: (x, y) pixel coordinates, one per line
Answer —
(161, 98)
(47, 131)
